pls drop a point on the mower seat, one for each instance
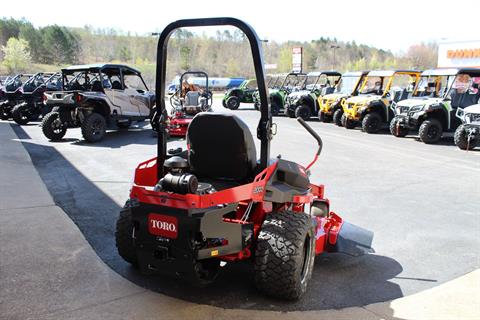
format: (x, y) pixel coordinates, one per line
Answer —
(221, 148)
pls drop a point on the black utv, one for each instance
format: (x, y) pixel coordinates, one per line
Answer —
(12, 94)
(32, 106)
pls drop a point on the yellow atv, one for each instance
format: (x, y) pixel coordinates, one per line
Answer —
(371, 108)
(331, 104)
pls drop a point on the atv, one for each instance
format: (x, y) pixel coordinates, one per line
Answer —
(94, 97)
(242, 94)
(12, 94)
(186, 102)
(279, 92)
(371, 108)
(190, 212)
(467, 135)
(33, 91)
(304, 103)
(437, 98)
(331, 104)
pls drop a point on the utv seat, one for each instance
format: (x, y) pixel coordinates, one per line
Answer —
(116, 85)
(97, 86)
(222, 150)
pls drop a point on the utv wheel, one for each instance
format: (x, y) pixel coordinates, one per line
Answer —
(94, 127)
(21, 114)
(396, 130)
(233, 103)
(275, 108)
(256, 105)
(430, 131)
(325, 118)
(285, 255)
(52, 126)
(347, 123)
(303, 111)
(224, 104)
(337, 117)
(461, 139)
(372, 123)
(289, 113)
(4, 115)
(125, 236)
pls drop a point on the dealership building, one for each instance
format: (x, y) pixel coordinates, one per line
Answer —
(454, 54)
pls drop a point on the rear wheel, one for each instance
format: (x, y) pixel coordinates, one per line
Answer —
(285, 254)
(52, 126)
(323, 117)
(462, 141)
(21, 114)
(303, 111)
(397, 130)
(275, 108)
(430, 131)
(337, 117)
(94, 127)
(125, 236)
(4, 114)
(289, 113)
(372, 122)
(233, 103)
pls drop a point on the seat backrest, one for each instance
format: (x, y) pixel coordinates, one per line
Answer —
(97, 86)
(221, 147)
(191, 98)
(116, 85)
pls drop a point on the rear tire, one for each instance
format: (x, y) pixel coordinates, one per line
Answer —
(289, 113)
(94, 127)
(52, 126)
(124, 236)
(430, 131)
(4, 115)
(275, 108)
(21, 114)
(399, 132)
(461, 139)
(303, 111)
(285, 254)
(337, 117)
(372, 122)
(233, 103)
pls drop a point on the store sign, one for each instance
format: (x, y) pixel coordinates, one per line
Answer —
(297, 53)
(459, 54)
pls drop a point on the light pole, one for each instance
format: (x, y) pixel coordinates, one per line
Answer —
(334, 47)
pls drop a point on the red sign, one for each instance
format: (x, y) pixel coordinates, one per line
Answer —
(161, 225)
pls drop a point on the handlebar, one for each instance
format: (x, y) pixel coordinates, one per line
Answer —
(316, 136)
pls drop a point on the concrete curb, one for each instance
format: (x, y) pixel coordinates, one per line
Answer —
(49, 271)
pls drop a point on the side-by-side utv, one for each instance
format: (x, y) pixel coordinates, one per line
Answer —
(331, 104)
(32, 104)
(189, 212)
(432, 109)
(243, 94)
(304, 103)
(371, 108)
(12, 94)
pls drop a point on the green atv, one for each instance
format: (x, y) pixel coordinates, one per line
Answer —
(436, 100)
(304, 103)
(244, 93)
(278, 93)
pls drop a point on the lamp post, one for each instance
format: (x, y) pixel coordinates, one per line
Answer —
(334, 47)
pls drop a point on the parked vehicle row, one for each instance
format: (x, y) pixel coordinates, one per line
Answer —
(432, 102)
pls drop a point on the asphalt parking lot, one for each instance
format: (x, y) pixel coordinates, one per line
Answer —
(421, 201)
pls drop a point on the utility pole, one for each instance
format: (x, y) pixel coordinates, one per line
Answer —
(334, 47)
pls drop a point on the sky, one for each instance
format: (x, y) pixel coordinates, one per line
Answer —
(389, 25)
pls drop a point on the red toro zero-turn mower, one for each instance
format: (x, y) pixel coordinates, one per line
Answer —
(186, 102)
(191, 210)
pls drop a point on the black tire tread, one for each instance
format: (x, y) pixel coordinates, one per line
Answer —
(123, 236)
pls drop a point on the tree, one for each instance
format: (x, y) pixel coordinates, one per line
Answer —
(61, 45)
(16, 55)
(422, 56)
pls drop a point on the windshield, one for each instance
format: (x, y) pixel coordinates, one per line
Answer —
(347, 85)
(375, 85)
(431, 86)
(293, 81)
